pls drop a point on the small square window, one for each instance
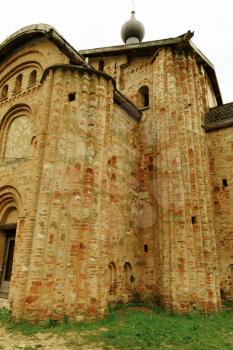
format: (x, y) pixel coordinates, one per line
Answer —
(71, 96)
(194, 220)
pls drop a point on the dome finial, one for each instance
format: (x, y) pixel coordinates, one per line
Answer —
(132, 31)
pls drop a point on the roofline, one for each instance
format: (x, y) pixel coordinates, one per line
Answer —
(44, 30)
(218, 125)
(118, 97)
(36, 31)
(149, 47)
(130, 48)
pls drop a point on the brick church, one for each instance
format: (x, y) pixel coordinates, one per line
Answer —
(116, 176)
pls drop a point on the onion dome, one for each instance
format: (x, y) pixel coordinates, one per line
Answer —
(132, 31)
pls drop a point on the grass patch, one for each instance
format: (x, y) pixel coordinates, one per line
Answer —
(126, 328)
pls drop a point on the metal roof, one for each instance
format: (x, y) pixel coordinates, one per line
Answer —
(219, 117)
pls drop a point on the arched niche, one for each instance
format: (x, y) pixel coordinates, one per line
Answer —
(32, 78)
(143, 97)
(127, 275)
(4, 92)
(112, 278)
(10, 205)
(18, 138)
(18, 83)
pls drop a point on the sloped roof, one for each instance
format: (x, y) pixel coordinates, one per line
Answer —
(219, 117)
(77, 60)
(36, 31)
(150, 48)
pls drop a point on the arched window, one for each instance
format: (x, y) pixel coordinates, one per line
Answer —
(143, 97)
(4, 92)
(18, 83)
(112, 278)
(128, 277)
(18, 139)
(32, 78)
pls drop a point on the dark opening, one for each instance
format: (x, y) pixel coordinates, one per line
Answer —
(9, 232)
(222, 293)
(194, 220)
(101, 66)
(146, 99)
(71, 96)
(4, 92)
(18, 83)
(224, 182)
(143, 97)
(32, 78)
(9, 261)
(145, 248)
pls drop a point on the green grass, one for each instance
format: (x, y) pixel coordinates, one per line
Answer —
(125, 328)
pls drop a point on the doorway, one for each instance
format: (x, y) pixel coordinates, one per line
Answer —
(7, 247)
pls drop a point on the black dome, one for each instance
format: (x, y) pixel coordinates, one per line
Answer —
(132, 29)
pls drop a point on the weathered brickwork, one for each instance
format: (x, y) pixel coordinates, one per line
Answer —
(110, 207)
(220, 144)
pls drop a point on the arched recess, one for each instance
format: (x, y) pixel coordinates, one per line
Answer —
(127, 276)
(4, 92)
(10, 211)
(143, 97)
(9, 198)
(16, 133)
(32, 78)
(25, 67)
(112, 278)
(18, 83)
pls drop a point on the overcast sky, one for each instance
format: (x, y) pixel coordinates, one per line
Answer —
(90, 23)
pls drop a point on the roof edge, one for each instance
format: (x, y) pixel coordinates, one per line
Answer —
(180, 42)
(146, 44)
(218, 125)
(35, 31)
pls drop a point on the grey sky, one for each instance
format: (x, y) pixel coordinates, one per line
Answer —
(89, 24)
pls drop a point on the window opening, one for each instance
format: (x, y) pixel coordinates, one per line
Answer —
(32, 78)
(101, 66)
(143, 97)
(18, 83)
(4, 92)
(127, 275)
(224, 182)
(71, 96)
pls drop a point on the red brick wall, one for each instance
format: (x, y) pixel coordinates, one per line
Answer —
(220, 145)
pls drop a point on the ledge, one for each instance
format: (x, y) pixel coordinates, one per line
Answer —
(218, 125)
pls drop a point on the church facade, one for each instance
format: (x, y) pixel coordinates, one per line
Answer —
(115, 177)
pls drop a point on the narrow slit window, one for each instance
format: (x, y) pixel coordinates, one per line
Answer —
(194, 220)
(224, 182)
(4, 92)
(101, 66)
(32, 78)
(145, 248)
(18, 83)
